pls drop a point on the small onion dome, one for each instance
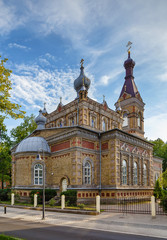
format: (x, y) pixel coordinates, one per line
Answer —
(33, 144)
(40, 121)
(78, 83)
(129, 62)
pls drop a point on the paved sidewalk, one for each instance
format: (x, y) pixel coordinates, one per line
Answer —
(139, 224)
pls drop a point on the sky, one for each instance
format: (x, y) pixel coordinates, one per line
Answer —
(44, 42)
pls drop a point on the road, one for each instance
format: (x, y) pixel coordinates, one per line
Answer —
(33, 231)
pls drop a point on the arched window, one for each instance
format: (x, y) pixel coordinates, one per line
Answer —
(145, 174)
(104, 125)
(135, 174)
(64, 185)
(124, 172)
(93, 122)
(38, 174)
(139, 120)
(156, 177)
(125, 120)
(87, 173)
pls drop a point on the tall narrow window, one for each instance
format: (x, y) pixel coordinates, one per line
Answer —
(125, 120)
(87, 173)
(124, 172)
(93, 122)
(139, 120)
(38, 174)
(156, 177)
(145, 174)
(104, 125)
(135, 174)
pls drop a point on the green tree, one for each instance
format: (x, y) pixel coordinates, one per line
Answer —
(7, 108)
(164, 179)
(5, 156)
(160, 150)
(158, 192)
(24, 129)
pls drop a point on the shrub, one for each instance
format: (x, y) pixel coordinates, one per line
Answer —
(81, 205)
(52, 202)
(5, 194)
(49, 193)
(158, 191)
(70, 197)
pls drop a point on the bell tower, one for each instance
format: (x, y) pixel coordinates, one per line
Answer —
(130, 102)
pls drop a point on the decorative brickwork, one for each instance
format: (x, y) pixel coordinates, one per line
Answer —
(60, 146)
(86, 144)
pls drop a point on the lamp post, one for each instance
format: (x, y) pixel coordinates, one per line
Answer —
(43, 202)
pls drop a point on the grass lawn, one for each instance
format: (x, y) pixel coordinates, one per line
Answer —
(4, 237)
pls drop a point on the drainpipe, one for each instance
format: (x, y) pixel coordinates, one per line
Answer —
(100, 165)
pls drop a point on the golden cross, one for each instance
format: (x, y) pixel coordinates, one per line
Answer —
(129, 46)
(81, 62)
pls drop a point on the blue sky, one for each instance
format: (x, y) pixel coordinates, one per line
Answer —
(45, 41)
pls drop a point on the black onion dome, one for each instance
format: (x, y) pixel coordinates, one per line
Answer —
(129, 62)
(81, 80)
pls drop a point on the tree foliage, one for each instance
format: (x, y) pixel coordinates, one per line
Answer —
(160, 150)
(7, 108)
(24, 129)
(158, 191)
(164, 179)
(5, 156)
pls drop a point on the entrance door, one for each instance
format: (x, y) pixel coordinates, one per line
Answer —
(64, 185)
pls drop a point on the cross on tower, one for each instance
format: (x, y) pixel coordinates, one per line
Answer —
(81, 62)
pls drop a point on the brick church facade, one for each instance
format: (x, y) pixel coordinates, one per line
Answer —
(89, 147)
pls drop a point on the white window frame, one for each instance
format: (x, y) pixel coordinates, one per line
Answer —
(38, 174)
(139, 120)
(125, 120)
(87, 173)
(124, 172)
(64, 185)
(135, 173)
(145, 174)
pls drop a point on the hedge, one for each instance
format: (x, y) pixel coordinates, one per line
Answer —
(5, 194)
(49, 193)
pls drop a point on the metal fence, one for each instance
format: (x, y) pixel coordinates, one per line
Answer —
(131, 205)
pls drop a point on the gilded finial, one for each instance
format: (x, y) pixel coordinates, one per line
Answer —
(44, 105)
(60, 99)
(81, 62)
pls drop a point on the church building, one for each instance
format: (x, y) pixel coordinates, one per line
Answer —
(86, 146)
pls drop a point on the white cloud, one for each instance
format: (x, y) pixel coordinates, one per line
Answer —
(106, 79)
(163, 77)
(156, 127)
(9, 20)
(16, 45)
(32, 86)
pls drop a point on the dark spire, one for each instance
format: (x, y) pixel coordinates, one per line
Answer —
(129, 85)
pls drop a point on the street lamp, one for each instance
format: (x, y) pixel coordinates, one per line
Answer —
(43, 202)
